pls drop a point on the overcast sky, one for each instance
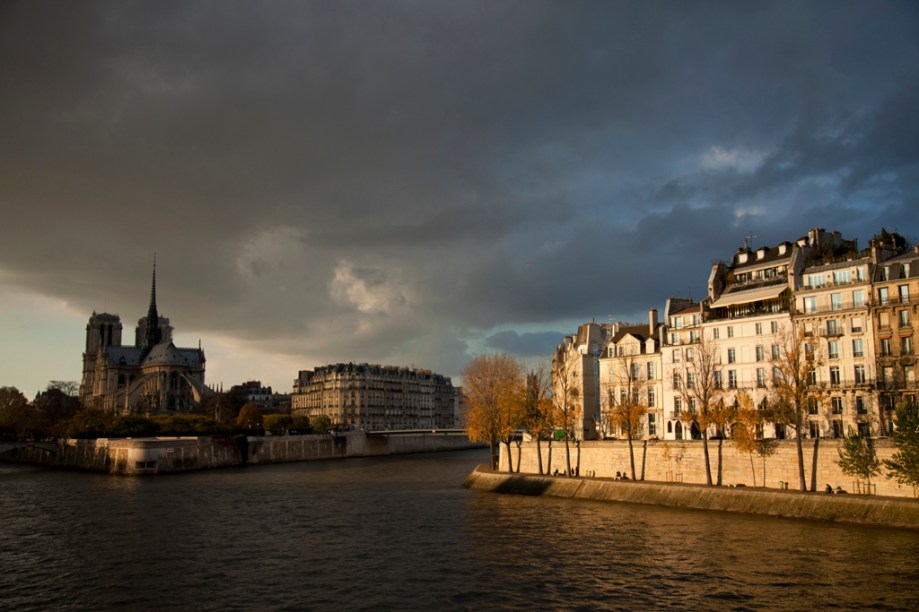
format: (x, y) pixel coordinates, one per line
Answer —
(414, 183)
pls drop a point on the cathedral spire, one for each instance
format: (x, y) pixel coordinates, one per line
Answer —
(154, 334)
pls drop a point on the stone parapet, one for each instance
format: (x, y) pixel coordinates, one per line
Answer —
(853, 509)
(683, 461)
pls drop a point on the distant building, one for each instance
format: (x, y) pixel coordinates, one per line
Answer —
(151, 377)
(252, 392)
(376, 397)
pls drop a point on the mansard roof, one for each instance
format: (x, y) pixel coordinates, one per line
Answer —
(642, 332)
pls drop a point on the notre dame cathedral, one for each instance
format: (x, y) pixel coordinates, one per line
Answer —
(151, 377)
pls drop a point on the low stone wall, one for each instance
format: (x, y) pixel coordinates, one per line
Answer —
(166, 455)
(854, 509)
(684, 461)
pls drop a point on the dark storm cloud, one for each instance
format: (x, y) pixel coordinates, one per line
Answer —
(396, 179)
(538, 344)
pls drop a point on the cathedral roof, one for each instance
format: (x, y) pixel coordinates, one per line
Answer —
(123, 355)
(166, 353)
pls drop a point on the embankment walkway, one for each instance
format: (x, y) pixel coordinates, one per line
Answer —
(852, 509)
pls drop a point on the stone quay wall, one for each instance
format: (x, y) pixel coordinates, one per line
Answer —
(683, 461)
(140, 456)
(852, 509)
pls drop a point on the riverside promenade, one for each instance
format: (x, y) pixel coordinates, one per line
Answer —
(852, 509)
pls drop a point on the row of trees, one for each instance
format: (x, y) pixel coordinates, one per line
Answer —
(505, 397)
(56, 412)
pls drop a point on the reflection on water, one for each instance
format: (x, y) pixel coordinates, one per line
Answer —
(402, 533)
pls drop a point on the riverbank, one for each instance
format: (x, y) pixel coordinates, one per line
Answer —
(851, 509)
(162, 455)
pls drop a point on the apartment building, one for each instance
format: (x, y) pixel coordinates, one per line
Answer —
(630, 370)
(832, 307)
(376, 397)
(576, 375)
(894, 313)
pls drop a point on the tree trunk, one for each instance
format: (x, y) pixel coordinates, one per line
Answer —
(510, 457)
(814, 465)
(720, 455)
(567, 456)
(519, 444)
(491, 453)
(800, 457)
(539, 455)
(753, 469)
(577, 466)
(644, 456)
(708, 461)
(631, 456)
(549, 458)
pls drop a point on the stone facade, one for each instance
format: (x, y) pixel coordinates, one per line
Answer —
(374, 397)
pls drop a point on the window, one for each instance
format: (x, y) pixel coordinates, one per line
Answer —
(836, 404)
(884, 320)
(651, 398)
(677, 381)
(836, 301)
(690, 380)
(885, 273)
(857, 325)
(906, 345)
(759, 329)
(776, 351)
(636, 371)
(651, 371)
(834, 376)
(810, 304)
(833, 349)
(760, 377)
(812, 405)
(817, 280)
(716, 333)
(858, 298)
(860, 407)
(730, 331)
(676, 355)
(716, 377)
(696, 319)
(904, 294)
(904, 317)
(678, 322)
(689, 354)
(652, 425)
(777, 377)
(774, 327)
(732, 356)
(732, 379)
(885, 347)
(760, 353)
(858, 348)
(882, 294)
(677, 408)
(841, 277)
(832, 328)
(860, 375)
(694, 335)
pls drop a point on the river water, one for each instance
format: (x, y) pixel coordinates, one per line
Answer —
(401, 533)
